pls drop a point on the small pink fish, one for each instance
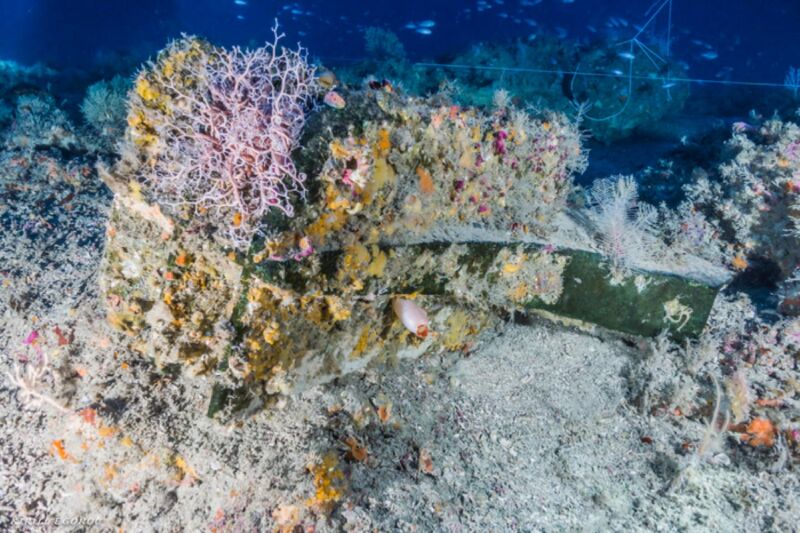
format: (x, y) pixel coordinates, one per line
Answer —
(334, 100)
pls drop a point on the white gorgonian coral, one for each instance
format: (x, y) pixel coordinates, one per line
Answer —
(625, 228)
(105, 105)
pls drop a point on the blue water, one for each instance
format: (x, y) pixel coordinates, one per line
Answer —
(753, 40)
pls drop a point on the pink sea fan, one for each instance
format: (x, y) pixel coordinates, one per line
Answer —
(230, 138)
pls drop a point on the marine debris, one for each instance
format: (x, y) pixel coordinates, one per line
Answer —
(305, 293)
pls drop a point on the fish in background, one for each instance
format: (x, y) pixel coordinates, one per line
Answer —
(724, 73)
(296, 9)
(423, 28)
(616, 22)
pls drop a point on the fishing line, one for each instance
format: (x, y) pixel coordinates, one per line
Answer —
(699, 81)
